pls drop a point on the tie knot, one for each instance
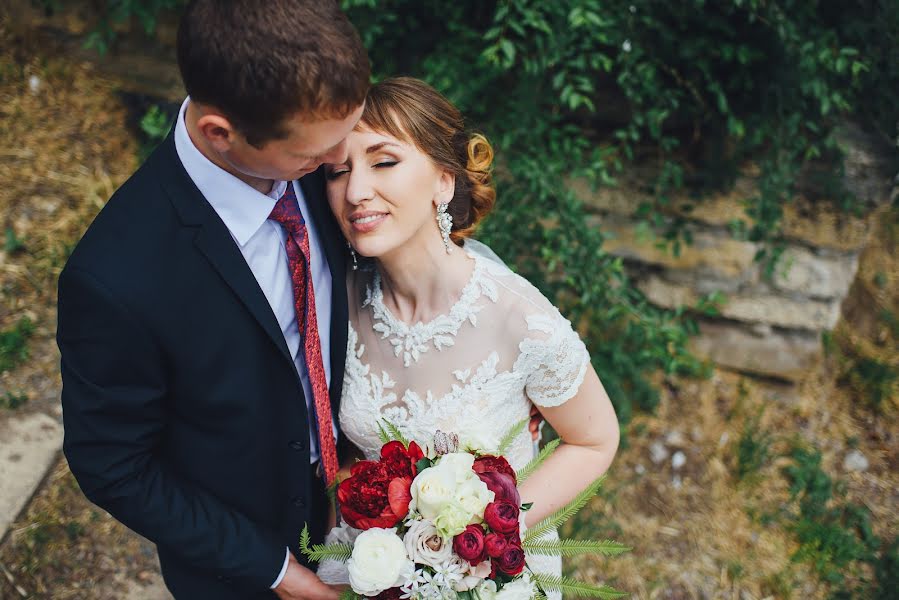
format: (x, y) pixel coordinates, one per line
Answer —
(287, 211)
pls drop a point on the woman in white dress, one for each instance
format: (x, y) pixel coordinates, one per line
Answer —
(442, 336)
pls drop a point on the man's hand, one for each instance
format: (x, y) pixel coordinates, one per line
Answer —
(300, 583)
(536, 422)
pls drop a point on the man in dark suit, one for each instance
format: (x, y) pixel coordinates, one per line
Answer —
(203, 316)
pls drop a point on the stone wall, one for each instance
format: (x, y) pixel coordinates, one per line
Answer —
(767, 326)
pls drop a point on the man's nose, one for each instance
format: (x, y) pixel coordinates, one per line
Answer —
(338, 154)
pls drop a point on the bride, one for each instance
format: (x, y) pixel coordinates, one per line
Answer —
(442, 335)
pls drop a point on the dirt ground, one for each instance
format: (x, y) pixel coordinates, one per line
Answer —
(698, 531)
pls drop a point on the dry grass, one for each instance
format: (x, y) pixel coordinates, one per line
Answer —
(698, 532)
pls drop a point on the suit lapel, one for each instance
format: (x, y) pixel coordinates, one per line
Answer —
(215, 243)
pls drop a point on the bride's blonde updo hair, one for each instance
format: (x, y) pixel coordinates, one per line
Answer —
(414, 112)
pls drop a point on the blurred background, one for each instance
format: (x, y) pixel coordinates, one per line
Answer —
(706, 189)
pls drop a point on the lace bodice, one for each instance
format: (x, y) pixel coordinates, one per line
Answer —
(473, 371)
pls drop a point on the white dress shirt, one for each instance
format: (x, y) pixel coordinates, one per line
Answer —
(245, 212)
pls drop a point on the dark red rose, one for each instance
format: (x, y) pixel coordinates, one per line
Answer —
(494, 464)
(502, 486)
(501, 516)
(389, 594)
(511, 562)
(495, 544)
(399, 460)
(469, 545)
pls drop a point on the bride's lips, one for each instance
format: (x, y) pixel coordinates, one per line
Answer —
(366, 220)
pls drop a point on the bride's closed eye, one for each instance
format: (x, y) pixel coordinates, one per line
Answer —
(336, 172)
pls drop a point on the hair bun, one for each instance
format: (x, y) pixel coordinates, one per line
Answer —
(480, 154)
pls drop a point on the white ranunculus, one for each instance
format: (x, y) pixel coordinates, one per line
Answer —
(379, 562)
(450, 494)
(519, 589)
(425, 545)
(486, 590)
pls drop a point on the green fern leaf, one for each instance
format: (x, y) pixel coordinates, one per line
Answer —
(573, 547)
(395, 433)
(320, 552)
(383, 435)
(528, 470)
(510, 436)
(573, 588)
(566, 512)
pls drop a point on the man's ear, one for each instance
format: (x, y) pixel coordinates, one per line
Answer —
(217, 131)
(446, 187)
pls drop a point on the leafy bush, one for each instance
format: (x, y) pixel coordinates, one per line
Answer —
(14, 344)
(691, 93)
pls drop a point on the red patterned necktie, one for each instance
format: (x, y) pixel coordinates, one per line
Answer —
(287, 213)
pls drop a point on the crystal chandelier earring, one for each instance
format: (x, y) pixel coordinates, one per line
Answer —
(353, 254)
(445, 223)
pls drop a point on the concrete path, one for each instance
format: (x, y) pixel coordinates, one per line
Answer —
(29, 445)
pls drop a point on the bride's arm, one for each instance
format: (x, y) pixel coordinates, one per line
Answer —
(588, 428)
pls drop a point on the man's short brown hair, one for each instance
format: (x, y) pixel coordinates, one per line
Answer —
(263, 61)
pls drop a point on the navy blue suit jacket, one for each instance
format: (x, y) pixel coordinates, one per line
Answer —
(184, 414)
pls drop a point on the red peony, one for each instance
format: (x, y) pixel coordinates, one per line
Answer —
(399, 460)
(377, 493)
(511, 561)
(494, 464)
(469, 545)
(502, 516)
(502, 486)
(389, 594)
(495, 544)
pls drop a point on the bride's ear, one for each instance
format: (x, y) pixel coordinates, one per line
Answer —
(446, 188)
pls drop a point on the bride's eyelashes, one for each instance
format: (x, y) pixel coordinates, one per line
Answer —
(335, 173)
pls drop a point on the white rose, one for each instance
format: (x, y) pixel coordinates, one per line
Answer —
(474, 496)
(518, 589)
(425, 545)
(378, 562)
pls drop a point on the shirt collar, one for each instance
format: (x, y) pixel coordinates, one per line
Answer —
(242, 208)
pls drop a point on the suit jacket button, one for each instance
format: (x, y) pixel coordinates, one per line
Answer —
(296, 445)
(299, 502)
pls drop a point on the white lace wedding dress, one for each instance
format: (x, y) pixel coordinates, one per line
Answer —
(474, 371)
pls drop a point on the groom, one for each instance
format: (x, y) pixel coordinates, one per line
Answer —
(203, 316)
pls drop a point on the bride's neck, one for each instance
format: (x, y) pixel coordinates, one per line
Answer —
(420, 284)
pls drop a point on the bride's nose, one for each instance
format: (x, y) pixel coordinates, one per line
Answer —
(358, 188)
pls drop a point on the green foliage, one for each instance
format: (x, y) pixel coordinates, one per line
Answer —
(12, 243)
(572, 588)
(320, 552)
(154, 125)
(528, 470)
(835, 538)
(575, 547)
(14, 344)
(13, 401)
(753, 447)
(690, 93)
(510, 435)
(559, 517)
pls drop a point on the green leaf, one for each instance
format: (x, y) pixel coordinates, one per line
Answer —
(566, 512)
(571, 587)
(394, 433)
(320, 552)
(528, 470)
(527, 506)
(511, 434)
(423, 463)
(574, 547)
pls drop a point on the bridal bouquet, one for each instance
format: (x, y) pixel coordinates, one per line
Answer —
(446, 523)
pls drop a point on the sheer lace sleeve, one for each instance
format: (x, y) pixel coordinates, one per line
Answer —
(556, 359)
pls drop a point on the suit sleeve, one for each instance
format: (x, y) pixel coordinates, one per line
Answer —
(114, 409)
